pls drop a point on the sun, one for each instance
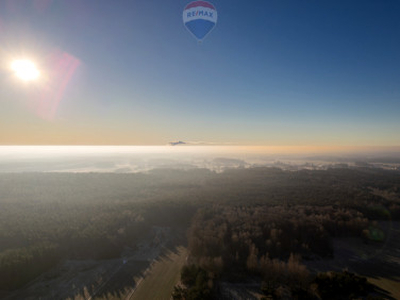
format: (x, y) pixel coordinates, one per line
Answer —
(25, 70)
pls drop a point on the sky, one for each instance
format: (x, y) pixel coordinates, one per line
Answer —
(272, 73)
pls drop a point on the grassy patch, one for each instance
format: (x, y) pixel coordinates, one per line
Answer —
(389, 285)
(160, 281)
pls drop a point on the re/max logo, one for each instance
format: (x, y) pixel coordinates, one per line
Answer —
(200, 13)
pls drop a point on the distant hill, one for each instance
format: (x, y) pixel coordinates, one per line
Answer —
(176, 143)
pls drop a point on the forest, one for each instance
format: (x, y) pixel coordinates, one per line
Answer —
(242, 223)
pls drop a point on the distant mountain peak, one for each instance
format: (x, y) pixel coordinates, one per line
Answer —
(176, 143)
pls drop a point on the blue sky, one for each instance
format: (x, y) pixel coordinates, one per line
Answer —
(271, 73)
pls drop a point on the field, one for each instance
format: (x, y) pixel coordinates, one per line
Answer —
(162, 277)
(379, 262)
(143, 267)
(80, 280)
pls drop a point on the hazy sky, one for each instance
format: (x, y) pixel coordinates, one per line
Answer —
(273, 72)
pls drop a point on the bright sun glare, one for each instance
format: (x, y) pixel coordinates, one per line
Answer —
(25, 70)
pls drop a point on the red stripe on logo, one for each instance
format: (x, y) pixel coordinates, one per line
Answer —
(200, 3)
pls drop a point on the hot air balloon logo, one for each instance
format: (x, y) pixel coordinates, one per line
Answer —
(200, 18)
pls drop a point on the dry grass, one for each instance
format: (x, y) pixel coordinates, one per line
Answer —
(389, 285)
(162, 277)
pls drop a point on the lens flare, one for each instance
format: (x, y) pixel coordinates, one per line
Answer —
(25, 70)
